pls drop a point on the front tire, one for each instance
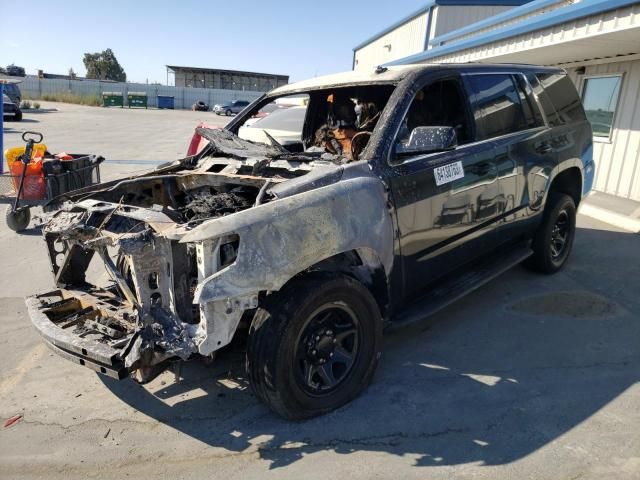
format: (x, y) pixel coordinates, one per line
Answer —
(553, 240)
(18, 116)
(227, 113)
(314, 346)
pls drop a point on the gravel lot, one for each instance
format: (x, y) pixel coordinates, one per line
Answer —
(529, 377)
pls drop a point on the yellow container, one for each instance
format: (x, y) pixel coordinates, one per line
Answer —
(12, 154)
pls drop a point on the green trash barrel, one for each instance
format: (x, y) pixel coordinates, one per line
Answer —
(137, 99)
(112, 99)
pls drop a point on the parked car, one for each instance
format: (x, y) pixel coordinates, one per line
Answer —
(265, 111)
(13, 92)
(11, 109)
(230, 108)
(284, 125)
(417, 185)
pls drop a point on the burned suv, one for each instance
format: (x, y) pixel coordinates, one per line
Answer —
(409, 187)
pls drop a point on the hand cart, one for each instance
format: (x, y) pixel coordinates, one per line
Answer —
(22, 192)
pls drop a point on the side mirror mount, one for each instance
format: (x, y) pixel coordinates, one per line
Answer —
(428, 140)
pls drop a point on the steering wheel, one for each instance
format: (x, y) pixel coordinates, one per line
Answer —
(358, 144)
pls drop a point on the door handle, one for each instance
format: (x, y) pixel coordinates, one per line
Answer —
(481, 168)
(544, 148)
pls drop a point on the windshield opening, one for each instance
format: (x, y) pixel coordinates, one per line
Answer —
(336, 121)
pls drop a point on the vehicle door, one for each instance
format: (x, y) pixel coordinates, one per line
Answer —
(437, 211)
(563, 112)
(510, 118)
(239, 105)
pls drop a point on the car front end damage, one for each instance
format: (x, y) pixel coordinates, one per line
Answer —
(167, 265)
(144, 313)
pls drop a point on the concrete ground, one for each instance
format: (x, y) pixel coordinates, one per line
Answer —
(118, 134)
(530, 377)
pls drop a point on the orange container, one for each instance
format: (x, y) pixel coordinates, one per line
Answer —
(35, 186)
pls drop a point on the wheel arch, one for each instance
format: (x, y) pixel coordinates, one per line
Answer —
(361, 264)
(569, 181)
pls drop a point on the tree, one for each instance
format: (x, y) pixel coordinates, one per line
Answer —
(104, 66)
(72, 74)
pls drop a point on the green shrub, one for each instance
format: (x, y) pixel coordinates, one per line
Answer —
(36, 105)
(26, 105)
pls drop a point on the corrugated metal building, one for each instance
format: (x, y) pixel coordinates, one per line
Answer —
(596, 41)
(413, 33)
(195, 77)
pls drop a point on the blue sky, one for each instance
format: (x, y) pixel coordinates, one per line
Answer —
(299, 38)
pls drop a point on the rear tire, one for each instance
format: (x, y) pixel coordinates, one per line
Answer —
(18, 220)
(553, 240)
(314, 346)
(17, 117)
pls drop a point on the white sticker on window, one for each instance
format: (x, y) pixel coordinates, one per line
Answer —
(448, 173)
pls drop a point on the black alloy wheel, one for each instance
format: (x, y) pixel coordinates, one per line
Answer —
(553, 240)
(314, 345)
(327, 348)
(559, 235)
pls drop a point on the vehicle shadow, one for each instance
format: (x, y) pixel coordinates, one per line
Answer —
(491, 379)
(33, 231)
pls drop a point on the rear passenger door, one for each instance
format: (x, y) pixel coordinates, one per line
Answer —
(562, 109)
(508, 116)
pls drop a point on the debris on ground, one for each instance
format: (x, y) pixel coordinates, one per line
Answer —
(12, 420)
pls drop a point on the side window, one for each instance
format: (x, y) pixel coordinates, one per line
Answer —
(547, 107)
(439, 104)
(564, 97)
(532, 113)
(496, 105)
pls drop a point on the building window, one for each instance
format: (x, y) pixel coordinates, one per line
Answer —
(600, 99)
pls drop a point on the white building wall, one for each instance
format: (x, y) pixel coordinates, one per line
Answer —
(479, 31)
(451, 18)
(618, 160)
(405, 40)
(541, 46)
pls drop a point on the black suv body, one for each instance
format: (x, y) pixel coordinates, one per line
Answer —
(411, 187)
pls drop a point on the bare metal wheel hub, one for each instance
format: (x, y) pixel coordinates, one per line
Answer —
(327, 349)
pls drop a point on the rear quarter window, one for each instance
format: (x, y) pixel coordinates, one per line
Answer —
(566, 106)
